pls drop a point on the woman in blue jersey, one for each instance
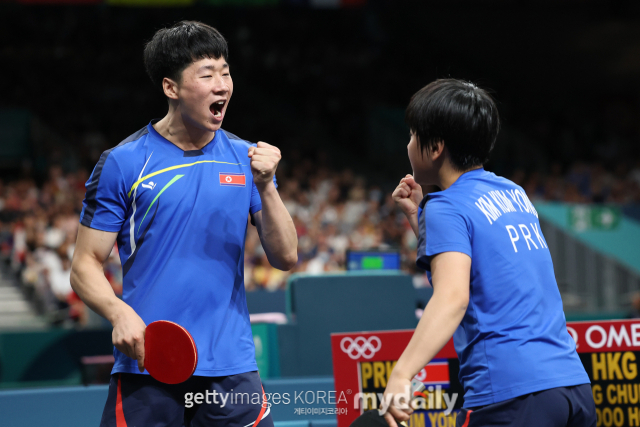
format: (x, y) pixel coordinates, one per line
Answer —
(494, 287)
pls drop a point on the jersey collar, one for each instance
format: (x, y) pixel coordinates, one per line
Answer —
(469, 175)
(174, 147)
(465, 176)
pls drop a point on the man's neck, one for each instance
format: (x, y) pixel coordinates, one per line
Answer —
(174, 129)
(447, 175)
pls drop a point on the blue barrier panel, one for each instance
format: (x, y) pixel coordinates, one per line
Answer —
(304, 423)
(275, 302)
(323, 423)
(53, 407)
(34, 358)
(266, 302)
(292, 398)
(344, 302)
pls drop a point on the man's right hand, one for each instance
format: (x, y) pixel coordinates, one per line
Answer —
(128, 334)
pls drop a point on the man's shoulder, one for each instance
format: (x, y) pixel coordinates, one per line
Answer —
(236, 140)
(132, 142)
(121, 154)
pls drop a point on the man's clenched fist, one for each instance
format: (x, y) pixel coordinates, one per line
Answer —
(264, 161)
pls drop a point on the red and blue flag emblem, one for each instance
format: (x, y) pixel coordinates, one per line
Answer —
(232, 179)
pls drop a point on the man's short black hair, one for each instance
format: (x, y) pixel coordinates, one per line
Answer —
(171, 50)
(458, 113)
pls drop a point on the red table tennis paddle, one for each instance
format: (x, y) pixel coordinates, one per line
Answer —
(171, 355)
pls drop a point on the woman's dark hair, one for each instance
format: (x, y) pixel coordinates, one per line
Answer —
(458, 113)
(171, 50)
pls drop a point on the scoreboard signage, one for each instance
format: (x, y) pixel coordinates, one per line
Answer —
(362, 364)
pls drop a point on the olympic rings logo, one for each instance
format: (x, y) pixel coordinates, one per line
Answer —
(360, 347)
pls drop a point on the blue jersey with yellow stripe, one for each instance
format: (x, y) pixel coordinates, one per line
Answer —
(181, 219)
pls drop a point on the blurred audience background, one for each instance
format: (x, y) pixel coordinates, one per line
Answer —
(329, 89)
(333, 210)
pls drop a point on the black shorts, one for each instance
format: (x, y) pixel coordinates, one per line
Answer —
(139, 400)
(556, 407)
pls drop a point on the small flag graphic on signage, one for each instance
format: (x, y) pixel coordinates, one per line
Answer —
(232, 179)
(436, 372)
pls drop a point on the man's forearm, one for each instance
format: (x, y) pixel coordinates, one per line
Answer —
(439, 321)
(93, 288)
(278, 234)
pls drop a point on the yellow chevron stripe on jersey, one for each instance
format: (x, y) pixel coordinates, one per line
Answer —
(144, 178)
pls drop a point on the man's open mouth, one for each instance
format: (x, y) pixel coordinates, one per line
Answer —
(216, 108)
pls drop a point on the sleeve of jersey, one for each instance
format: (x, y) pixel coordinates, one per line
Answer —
(443, 229)
(256, 203)
(104, 204)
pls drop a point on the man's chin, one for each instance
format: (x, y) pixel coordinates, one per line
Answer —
(206, 124)
(212, 126)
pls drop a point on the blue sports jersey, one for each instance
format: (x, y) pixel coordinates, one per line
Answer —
(513, 339)
(181, 219)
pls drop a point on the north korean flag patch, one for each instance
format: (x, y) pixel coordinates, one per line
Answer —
(435, 373)
(232, 179)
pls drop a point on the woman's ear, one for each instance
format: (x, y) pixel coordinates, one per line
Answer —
(437, 150)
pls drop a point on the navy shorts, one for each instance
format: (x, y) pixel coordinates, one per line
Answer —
(139, 400)
(556, 407)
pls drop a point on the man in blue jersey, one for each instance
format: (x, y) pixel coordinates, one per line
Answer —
(492, 275)
(176, 197)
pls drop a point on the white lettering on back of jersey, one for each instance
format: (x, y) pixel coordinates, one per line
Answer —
(527, 235)
(518, 196)
(538, 235)
(514, 237)
(488, 208)
(515, 199)
(502, 201)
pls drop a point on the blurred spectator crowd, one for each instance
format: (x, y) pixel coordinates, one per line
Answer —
(584, 183)
(333, 211)
(311, 102)
(39, 226)
(337, 211)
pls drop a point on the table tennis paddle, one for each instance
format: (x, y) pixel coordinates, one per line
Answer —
(171, 355)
